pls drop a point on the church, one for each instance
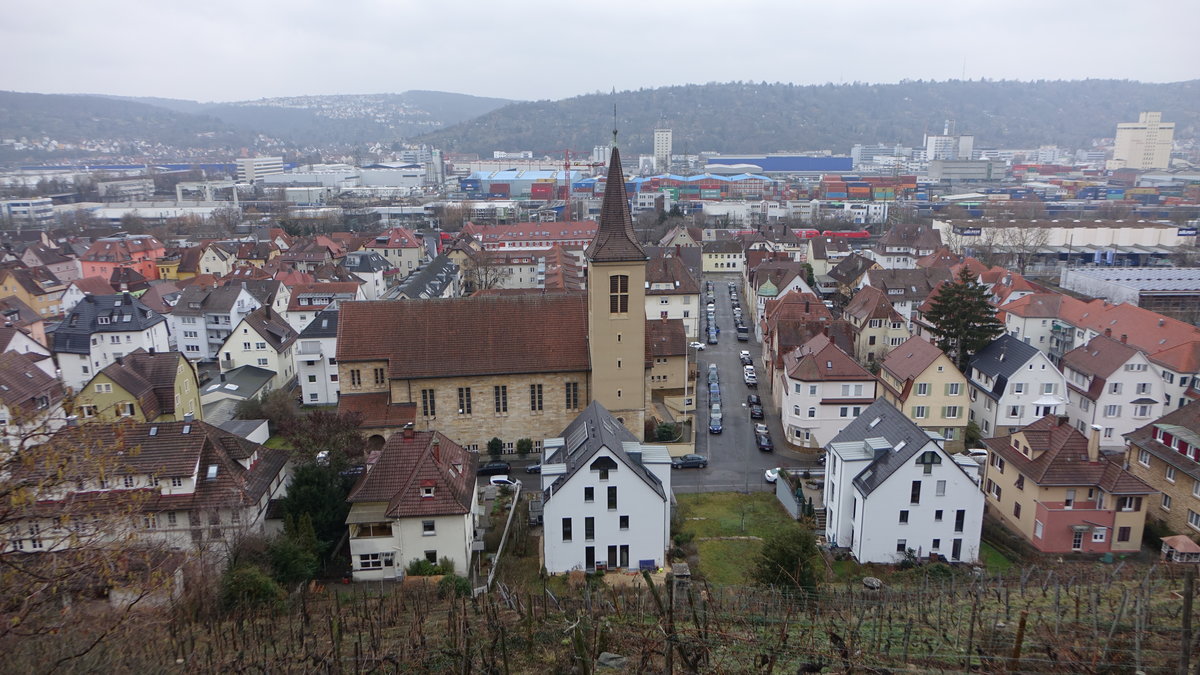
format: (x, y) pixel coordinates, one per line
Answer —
(512, 366)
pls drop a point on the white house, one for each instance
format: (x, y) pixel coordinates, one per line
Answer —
(316, 362)
(30, 399)
(822, 389)
(1113, 386)
(372, 269)
(205, 316)
(264, 340)
(607, 497)
(309, 299)
(891, 489)
(1013, 384)
(99, 329)
(417, 501)
(672, 293)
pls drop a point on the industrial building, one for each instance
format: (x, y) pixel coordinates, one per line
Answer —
(1171, 291)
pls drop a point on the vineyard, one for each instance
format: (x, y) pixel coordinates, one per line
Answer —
(1074, 618)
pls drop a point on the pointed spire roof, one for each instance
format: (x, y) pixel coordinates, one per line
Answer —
(614, 240)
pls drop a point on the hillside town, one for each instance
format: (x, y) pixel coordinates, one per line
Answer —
(939, 357)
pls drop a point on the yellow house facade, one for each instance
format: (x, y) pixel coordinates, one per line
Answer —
(144, 387)
(924, 383)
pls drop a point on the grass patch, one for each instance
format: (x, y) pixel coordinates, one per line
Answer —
(994, 560)
(731, 514)
(277, 443)
(728, 562)
(847, 570)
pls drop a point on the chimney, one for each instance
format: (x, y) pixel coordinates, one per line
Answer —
(120, 360)
(437, 450)
(408, 430)
(1094, 444)
(1063, 420)
(152, 351)
(1124, 337)
(1107, 332)
(222, 377)
(189, 417)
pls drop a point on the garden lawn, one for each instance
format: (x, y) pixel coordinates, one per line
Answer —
(729, 514)
(992, 559)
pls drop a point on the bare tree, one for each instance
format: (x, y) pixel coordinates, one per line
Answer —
(484, 270)
(1022, 243)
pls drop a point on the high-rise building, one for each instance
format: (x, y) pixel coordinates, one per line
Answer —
(250, 169)
(662, 149)
(1144, 144)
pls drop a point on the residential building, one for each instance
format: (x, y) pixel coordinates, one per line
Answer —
(606, 497)
(907, 289)
(309, 299)
(205, 316)
(902, 245)
(924, 383)
(723, 255)
(36, 287)
(101, 328)
(570, 235)
(218, 259)
(142, 386)
(792, 320)
(662, 149)
(316, 359)
(848, 274)
(1112, 386)
(1144, 144)
(1012, 385)
(15, 314)
(770, 280)
(878, 327)
(400, 247)
(672, 293)
(86, 286)
(893, 491)
(1051, 484)
(417, 501)
(1165, 454)
(822, 389)
(31, 400)
(134, 251)
(189, 486)
(64, 268)
(14, 339)
(374, 271)
(265, 340)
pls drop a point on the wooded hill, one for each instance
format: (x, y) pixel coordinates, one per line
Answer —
(762, 117)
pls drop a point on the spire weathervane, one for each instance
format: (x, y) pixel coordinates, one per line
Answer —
(614, 140)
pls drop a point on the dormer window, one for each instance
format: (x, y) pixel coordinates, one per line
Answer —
(426, 493)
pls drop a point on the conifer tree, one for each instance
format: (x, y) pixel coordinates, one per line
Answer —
(963, 320)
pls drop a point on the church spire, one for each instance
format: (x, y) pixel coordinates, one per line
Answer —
(615, 240)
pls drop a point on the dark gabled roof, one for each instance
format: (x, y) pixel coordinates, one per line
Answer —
(22, 383)
(670, 270)
(914, 285)
(722, 246)
(323, 325)
(850, 269)
(901, 438)
(665, 337)
(821, 359)
(1003, 357)
(271, 327)
(200, 300)
(365, 262)
(1186, 419)
(119, 313)
(410, 461)
(615, 240)
(1060, 457)
(262, 290)
(910, 235)
(592, 430)
(820, 247)
(461, 337)
(870, 303)
(431, 280)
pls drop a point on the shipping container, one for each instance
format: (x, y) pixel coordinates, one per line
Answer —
(499, 188)
(710, 194)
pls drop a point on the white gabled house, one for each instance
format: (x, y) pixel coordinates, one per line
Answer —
(823, 389)
(417, 501)
(607, 497)
(1013, 384)
(263, 339)
(102, 328)
(316, 359)
(1111, 385)
(891, 489)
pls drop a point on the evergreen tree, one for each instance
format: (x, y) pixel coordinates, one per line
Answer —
(963, 320)
(789, 557)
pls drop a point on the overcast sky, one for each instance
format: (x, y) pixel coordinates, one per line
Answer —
(220, 50)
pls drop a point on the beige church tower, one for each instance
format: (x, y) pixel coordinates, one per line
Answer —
(616, 289)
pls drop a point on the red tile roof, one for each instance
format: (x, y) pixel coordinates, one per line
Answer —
(1063, 459)
(871, 303)
(821, 359)
(911, 358)
(22, 383)
(665, 337)
(479, 335)
(410, 462)
(376, 410)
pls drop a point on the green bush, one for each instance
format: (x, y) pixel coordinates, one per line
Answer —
(453, 585)
(420, 567)
(247, 587)
(524, 447)
(292, 562)
(446, 565)
(495, 448)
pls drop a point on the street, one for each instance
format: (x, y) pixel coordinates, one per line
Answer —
(734, 461)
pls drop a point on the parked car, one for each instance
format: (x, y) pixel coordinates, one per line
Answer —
(764, 443)
(533, 468)
(712, 337)
(715, 425)
(753, 399)
(494, 469)
(504, 481)
(689, 462)
(699, 346)
(749, 376)
(756, 411)
(770, 475)
(760, 429)
(745, 358)
(713, 377)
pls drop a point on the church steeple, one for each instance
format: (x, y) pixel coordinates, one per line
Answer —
(615, 240)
